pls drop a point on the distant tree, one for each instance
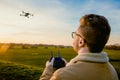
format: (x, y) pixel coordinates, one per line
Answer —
(46, 47)
(112, 47)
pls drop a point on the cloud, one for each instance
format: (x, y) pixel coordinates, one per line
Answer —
(52, 18)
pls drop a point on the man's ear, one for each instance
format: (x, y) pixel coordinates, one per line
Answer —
(81, 42)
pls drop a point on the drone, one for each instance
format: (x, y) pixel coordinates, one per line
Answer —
(26, 14)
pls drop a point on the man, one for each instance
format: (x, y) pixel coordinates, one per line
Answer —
(90, 63)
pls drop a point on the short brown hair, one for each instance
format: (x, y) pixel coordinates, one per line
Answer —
(96, 30)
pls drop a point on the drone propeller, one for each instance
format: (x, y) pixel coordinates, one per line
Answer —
(26, 14)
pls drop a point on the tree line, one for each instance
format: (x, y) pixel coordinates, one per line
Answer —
(26, 46)
(113, 47)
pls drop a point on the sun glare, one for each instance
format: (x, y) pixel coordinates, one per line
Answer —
(3, 48)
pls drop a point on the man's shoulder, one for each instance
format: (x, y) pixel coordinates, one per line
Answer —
(68, 72)
(64, 70)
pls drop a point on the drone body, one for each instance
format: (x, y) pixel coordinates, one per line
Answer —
(26, 14)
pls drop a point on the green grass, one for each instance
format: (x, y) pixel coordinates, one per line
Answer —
(12, 71)
(26, 61)
(35, 56)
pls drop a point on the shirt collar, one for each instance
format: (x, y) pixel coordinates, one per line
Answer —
(91, 57)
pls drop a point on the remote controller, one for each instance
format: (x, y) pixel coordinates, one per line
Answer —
(58, 62)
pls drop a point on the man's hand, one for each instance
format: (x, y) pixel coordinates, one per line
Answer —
(50, 63)
(48, 71)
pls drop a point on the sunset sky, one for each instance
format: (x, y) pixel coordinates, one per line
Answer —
(53, 20)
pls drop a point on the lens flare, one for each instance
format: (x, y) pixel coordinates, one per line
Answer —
(4, 48)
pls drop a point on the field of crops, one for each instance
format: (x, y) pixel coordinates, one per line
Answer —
(31, 61)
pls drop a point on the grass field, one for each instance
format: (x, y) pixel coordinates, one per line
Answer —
(33, 59)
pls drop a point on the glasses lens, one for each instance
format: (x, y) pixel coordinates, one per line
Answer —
(73, 34)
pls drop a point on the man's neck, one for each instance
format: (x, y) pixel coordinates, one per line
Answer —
(83, 50)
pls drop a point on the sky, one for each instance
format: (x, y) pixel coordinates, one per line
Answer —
(53, 20)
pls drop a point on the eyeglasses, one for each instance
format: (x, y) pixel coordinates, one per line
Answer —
(76, 34)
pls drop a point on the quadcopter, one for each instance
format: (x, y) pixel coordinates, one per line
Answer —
(26, 14)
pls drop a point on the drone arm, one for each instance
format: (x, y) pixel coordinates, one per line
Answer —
(23, 12)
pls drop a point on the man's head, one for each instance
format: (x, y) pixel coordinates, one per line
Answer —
(93, 32)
